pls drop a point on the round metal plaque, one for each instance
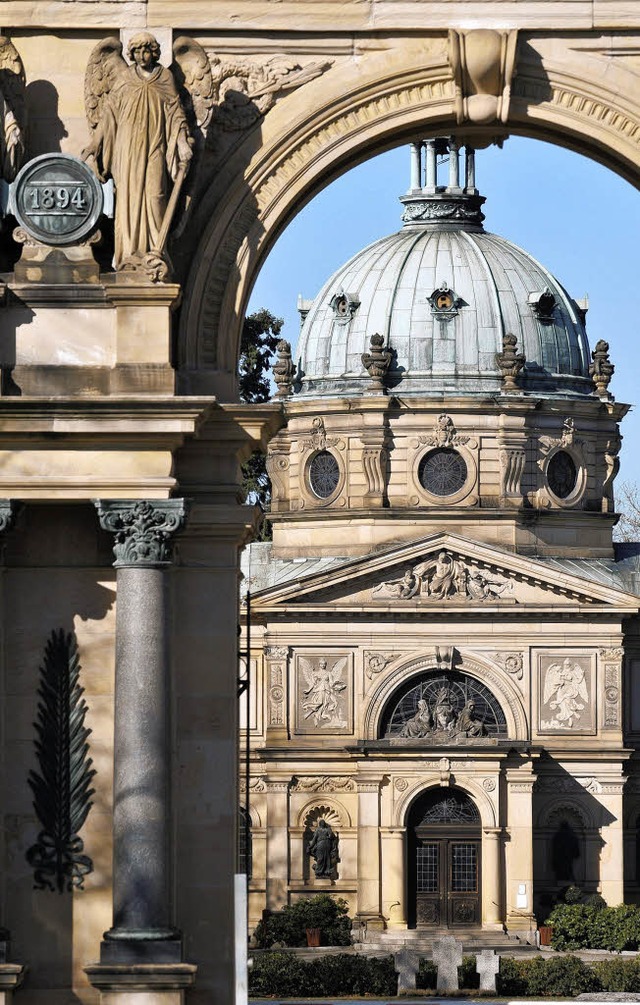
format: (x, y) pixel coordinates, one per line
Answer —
(57, 199)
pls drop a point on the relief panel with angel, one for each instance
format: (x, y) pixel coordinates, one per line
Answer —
(324, 694)
(566, 693)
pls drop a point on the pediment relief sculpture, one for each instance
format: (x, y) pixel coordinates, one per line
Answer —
(444, 577)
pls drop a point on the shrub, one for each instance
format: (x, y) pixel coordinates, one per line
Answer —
(588, 926)
(566, 975)
(512, 979)
(289, 925)
(618, 974)
(347, 974)
(282, 975)
(427, 976)
(468, 977)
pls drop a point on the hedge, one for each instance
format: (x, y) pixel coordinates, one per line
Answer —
(586, 926)
(285, 975)
(288, 926)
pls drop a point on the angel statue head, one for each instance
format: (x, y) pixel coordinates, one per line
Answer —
(144, 49)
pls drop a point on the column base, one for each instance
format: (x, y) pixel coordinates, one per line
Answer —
(142, 983)
(163, 952)
(11, 976)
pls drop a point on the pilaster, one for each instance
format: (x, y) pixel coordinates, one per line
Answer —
(369, 878)
(519, 850)
(277, 842)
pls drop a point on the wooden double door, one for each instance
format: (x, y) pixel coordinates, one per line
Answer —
(444, 864)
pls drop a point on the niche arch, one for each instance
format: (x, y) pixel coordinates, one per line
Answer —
(330, 809)
(561, 93)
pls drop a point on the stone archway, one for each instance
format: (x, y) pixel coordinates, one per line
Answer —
(567, 91)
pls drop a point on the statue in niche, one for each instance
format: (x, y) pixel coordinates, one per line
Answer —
(140, 135)
(323, 847)
(12, 110)
(421, 723)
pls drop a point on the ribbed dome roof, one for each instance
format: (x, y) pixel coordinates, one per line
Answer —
(492, 288)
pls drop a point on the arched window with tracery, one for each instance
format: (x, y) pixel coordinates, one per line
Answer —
(438, 704)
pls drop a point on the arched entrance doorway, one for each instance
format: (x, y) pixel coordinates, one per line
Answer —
(443, 860)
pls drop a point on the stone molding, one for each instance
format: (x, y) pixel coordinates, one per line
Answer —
(323, 783)
(143, 529)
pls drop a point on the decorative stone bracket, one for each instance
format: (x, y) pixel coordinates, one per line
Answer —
(483, 65)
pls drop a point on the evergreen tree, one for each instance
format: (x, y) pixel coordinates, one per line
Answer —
(260, 336)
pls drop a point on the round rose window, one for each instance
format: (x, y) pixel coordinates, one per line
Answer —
(562, 474)
(324, 474)
(442, 472)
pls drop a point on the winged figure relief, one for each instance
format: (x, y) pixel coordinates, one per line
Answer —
(565, 692)
(321, 696)
(12, 110)
(141, 117)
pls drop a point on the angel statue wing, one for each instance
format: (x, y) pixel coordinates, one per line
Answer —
(106, 64)
(336, 674)
(309, 673)
(581, 683)
(196, 86)
(12, 110)
(551, 682)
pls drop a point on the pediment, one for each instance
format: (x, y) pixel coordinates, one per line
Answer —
(444, 572)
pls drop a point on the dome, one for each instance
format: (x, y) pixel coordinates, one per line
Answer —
(443, 292)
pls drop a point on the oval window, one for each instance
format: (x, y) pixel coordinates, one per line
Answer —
(324, 474)
(562, 474)
(442, 472)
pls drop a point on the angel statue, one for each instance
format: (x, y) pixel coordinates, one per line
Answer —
(565, 691)
(140, 136)
(12, 110)
(323, 690)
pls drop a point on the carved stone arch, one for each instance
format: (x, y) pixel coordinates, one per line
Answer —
(471, 788)
(563, 93)
(330, 810)
(553, 812)
(254, 816)
(489, 674)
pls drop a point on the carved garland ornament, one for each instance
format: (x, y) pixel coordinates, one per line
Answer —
(324, 783)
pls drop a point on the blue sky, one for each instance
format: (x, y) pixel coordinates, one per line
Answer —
(575, 216)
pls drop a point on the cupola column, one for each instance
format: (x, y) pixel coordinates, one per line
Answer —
(454, 164)
(416, 166)
(470, 169)
(430, 184)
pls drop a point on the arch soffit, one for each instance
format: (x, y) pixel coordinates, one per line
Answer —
(329, 806)
(482, 670)
(573, 98)
(487, 810)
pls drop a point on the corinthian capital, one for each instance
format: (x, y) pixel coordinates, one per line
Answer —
(142, 528)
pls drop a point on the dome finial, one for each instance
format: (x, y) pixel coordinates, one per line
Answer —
(456, 203)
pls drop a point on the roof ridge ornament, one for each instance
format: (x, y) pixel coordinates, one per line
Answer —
(510, 363)
(377, 362)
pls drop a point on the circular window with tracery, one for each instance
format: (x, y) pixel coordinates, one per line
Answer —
(562, 474)
(442, 472)
(324, 474)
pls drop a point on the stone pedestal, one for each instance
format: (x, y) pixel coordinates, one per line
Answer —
(141, 955)
(11, 977)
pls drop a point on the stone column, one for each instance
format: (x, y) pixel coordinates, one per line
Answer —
(470, 169)
(277, 842)
(143, 930)
(369, 879)
(393, 871)
(491, 877)
(519, 858)
(416, 156)
(454, 164)
(431, 176)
